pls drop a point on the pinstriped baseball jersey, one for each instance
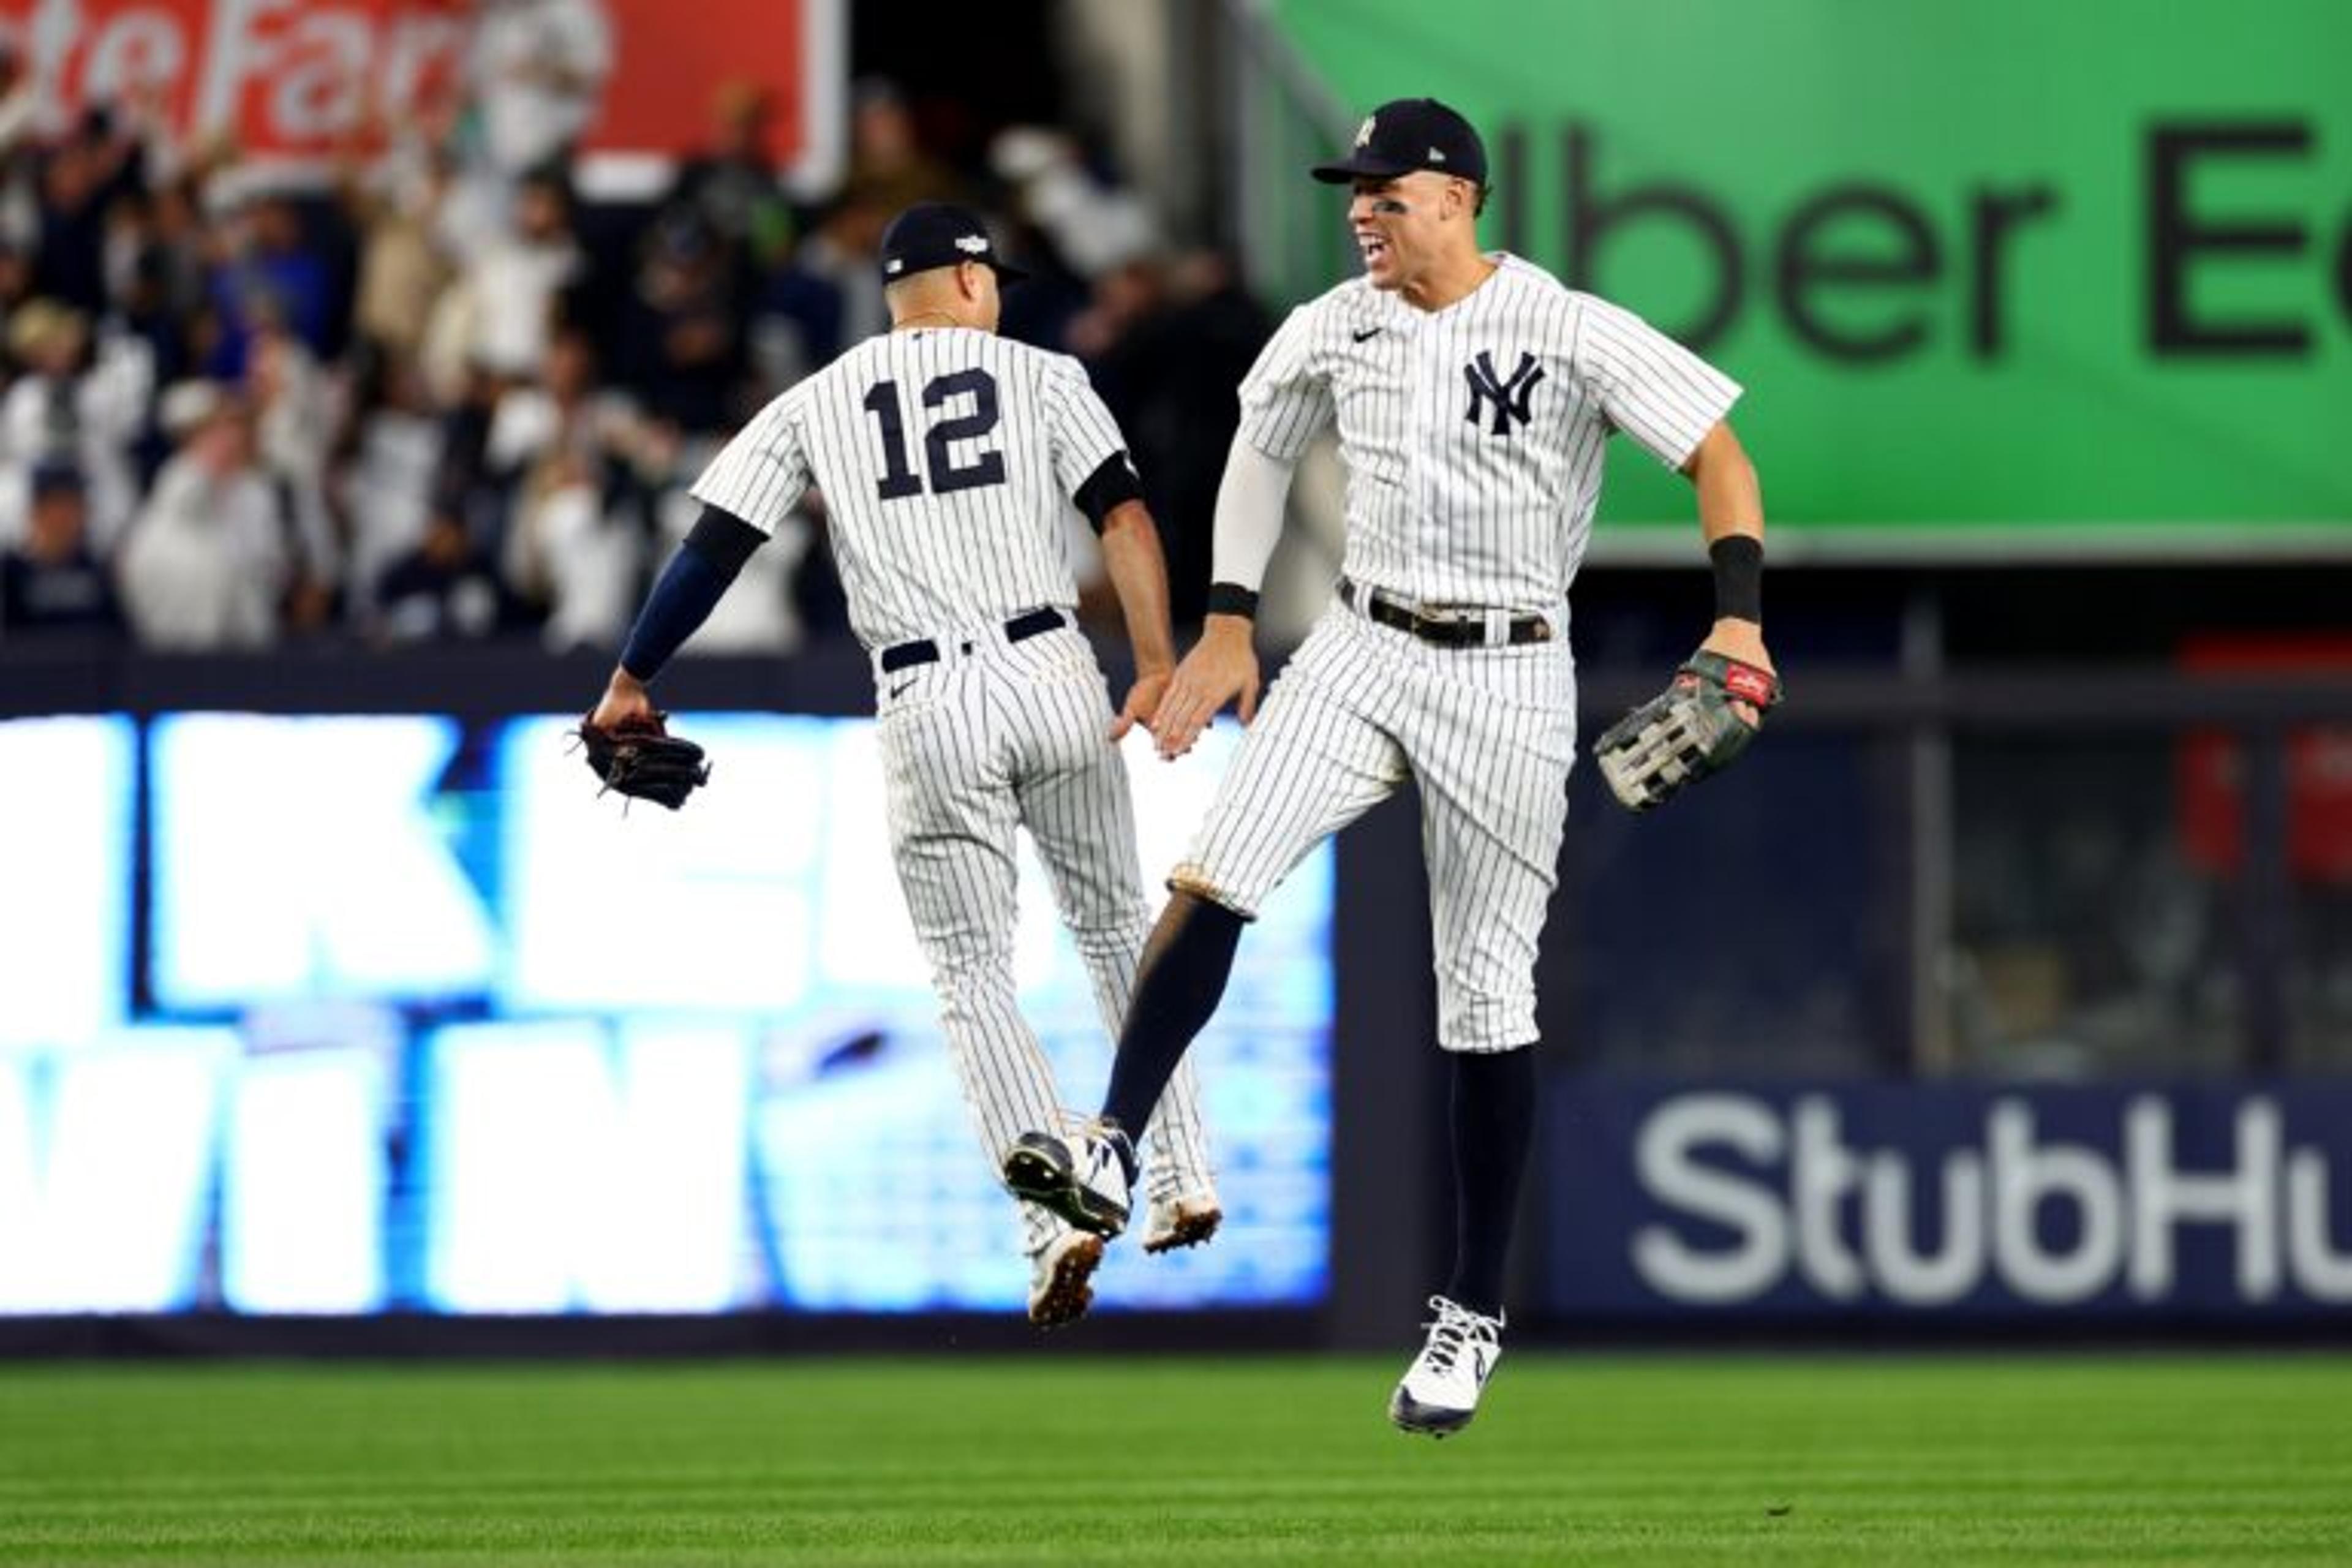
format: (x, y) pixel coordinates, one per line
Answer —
(1472, 438)
(1473, 434)
(947, 459)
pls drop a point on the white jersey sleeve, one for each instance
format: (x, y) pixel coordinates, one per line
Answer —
(1286, 397)
(1650, 386)
(1080, 430)
(761, 475)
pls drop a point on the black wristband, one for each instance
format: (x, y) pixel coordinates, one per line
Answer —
(1738, 559)
(1233, 599)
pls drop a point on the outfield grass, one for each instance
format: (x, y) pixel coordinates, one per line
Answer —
(1068, 1459)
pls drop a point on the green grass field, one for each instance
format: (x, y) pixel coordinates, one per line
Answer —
(1062, 1458)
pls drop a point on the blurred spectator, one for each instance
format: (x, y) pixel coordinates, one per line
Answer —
(207, 565)
(732, 187)
(15, 277)
(445, 587)
(579, 455)
(296, 411)
(386, 482)
(462, 473)
(827, 297)
(1094, 226)
(538, 75)
(67, 407)
(20, 101)
(82, 174)
(270, 276)
(498, 318)
(51, 583)
(404, 264)
(888, 168)
(682, 349)
(1167, 346)
(150, 295)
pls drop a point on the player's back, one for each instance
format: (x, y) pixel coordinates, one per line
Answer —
(946, 459)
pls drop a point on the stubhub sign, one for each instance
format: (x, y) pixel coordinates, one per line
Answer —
(1965, 1201)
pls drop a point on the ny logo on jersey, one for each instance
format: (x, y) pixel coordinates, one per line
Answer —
(1509, 398)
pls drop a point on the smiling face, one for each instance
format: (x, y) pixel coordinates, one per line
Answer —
(1404, 226)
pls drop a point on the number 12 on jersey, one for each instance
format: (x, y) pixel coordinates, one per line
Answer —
(899, 475)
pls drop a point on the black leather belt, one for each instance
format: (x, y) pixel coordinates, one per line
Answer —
(1462, 627)
(923, 650)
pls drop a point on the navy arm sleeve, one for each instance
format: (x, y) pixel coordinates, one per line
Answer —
(690, 588)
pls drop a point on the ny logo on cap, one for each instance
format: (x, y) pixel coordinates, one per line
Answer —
(1364, 131)
(1508, 397)
(972, 244)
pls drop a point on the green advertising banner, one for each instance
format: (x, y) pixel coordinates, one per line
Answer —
(2004, 278)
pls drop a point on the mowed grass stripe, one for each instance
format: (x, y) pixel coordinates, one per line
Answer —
(1071, 1459)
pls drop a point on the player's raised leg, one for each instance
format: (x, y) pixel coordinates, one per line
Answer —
(1315, 760)
(1078, 807)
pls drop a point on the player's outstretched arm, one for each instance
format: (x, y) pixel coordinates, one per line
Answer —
(1139, 574)
(1222, 666)
(1731, 518)
(690, 587)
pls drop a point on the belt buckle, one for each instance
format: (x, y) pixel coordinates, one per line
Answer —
(1443, 623)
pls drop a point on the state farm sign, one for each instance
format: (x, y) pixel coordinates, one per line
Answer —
(298, 78)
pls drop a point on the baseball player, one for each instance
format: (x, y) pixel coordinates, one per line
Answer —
(1474, 394)
(946, 456)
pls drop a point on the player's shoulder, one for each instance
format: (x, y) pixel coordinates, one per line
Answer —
(1344, 307)
(854, 365)
(1565, 312)
(1047, 364)
(1534, 286)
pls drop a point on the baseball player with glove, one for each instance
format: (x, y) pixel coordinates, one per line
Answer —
(947, 456)
(1473, 395)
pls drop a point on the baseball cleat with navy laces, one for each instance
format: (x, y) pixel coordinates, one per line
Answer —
(1440, 1388)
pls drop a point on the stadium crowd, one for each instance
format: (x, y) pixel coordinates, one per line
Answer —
(438, 396)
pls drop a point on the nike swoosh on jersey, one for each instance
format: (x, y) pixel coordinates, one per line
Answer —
(1367, 332)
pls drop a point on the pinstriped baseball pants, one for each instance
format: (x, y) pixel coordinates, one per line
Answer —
(974, 746)
(1489, 733)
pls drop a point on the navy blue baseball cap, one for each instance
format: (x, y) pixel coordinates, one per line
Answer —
(938, 233)
(1406, 134)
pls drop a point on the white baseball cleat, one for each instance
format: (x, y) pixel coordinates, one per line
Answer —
(1440, 1388)
(1060, 1275)
(1085, 1180)
(1189, 1219)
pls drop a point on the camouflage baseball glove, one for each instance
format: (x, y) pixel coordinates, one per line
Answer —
(641, 759)
(1687, 731)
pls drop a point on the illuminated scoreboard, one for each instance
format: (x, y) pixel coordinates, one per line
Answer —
(349, 1014)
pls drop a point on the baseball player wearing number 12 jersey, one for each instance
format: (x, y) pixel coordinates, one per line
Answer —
(1473, 393)
(946, 456)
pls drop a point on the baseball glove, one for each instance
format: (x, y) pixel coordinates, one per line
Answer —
(641, 759)
(1687, 731)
